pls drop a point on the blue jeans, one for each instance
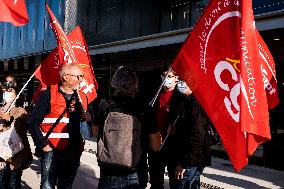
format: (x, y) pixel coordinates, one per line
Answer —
(59, 167)
(190, 180)
(10, 179)
(119, 182)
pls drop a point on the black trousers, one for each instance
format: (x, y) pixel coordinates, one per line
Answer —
(157, 164)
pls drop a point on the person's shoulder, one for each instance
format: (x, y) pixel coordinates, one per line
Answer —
(104, 104)
(45, 93)
(43, 96)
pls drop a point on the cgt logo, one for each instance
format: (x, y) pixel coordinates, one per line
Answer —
(230, 102)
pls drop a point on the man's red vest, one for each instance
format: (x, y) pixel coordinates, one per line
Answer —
(59, 136)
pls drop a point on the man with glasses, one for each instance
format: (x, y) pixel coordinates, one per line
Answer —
(55, 127)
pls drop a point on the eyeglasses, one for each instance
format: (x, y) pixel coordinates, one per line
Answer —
(79, 77)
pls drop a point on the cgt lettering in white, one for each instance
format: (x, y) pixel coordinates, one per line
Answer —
(234, 92)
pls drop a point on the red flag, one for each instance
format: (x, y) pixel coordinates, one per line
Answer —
(89, 85)
(66, 53)
(269, 73)
(14, 12)
(222, 50)
(71, 49)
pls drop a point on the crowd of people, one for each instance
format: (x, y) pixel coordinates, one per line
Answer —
(135, 141)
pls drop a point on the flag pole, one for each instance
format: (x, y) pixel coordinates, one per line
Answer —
(174, 124)
(18, 95)
(160, 88)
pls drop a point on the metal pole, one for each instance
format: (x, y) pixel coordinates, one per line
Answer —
(18, 95)
(168, 133)
(160, 88)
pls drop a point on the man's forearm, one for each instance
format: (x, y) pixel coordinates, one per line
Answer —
(37, 136)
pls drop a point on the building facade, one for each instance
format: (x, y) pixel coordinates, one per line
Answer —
(144, 35)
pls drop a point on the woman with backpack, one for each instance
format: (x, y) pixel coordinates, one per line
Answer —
(121, 145)
(11, 169)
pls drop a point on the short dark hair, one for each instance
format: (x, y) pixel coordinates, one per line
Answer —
(168, 68)
(125, 81)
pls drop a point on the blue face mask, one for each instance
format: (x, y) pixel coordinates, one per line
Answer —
(182, 87)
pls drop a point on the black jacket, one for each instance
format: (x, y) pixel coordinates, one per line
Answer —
(127, 105)
(189, 145)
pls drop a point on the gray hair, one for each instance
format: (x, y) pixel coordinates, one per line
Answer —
(125, 82)
(65, 68)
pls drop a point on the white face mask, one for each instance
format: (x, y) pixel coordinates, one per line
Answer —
(182, 87)
(8, 96)
(169, 82)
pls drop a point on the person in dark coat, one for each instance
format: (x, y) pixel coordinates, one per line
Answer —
(159, 117)
(125, 85)
(189, 149)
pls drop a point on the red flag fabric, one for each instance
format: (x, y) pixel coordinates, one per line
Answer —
(14, 12)
(221, 63)
(269, 73)
(71, 49)
(66, 53)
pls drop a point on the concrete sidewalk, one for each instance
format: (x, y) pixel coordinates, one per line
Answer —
(219, 175)
(222, 174)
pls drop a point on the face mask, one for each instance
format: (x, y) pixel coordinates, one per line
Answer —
(8, 96)
(181, 87)
(169, 82)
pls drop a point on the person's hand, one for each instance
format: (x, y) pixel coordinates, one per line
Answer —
(155, 141)
(47, 148)
(87, 116)
(12, 167)
(179, 172)
(5, 116)
(171, 130)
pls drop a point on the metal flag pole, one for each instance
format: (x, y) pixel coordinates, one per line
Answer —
(160, 88)
(168, 133)
(18, 95)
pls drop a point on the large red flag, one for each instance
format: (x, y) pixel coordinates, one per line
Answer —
(71, 49)
(221, 62)
(14, 12)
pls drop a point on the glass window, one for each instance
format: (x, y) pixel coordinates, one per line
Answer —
(6, 35)
(1, 40)
(112, 20)
(261, 6)
(40, 24)
(57, 8)
(31, 25)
